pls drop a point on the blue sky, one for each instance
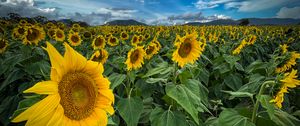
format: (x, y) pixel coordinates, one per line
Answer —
(152, 11)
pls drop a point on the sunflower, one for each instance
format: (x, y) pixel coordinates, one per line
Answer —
(151, 50)
(59, 35)
(18, 32)
(188, 50)
(238, 49)
(33, 35)
(135, 40)
(284, 48)
(98, 42)
(74, 38)
(100, 55)
(3, 45)
(23, 22)
(135, 58)
(252, 39)
(77, 94)
(87, 35)
(61, 25)
(289, 63)
(124, 36)
(51, 33)
(147, 36)
(113, 41)
(289, 81)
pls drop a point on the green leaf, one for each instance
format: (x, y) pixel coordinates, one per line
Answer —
(161, 117)
(162, 67)
(116, 79)
(130, 110)
(239, 94)
(233, 81)
(12, 76)
(230, 117)
(282, 118)
(155, 80)
(182, 96)
(265, 102)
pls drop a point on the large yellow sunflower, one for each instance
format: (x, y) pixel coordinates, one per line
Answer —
(18, 32)
(74, 38)
(113, 41)
(98, 42)
(33, 35)
(135, 58)
(3, 45)
(59, 35)
(135, 40)
(289, 81)
(124, 36)
(188, 50)
(151, 50)
(77, 94)
(100, 55)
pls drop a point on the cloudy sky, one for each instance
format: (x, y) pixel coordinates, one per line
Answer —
(97, 12)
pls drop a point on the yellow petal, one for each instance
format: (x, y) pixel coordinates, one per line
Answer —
(57, 118)
(54, 76)
(57, 61)
(110, 110)
(94, 69)
(102, 83)
(26, 114)
(74, 61)
(40, 121)
(46, 106)
(107, 93)
(44, 87)
(101, 115)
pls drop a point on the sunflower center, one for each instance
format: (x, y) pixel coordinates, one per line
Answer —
(149, 50)
(32, 34)
(98, 58)
(59, 34)
(74, 38)
(185, 48)
(87, 35)
(78, 95)
(2, 43)
(134, 56)
(21, 30)
(99, 42)
(113, 40)
(124, 35)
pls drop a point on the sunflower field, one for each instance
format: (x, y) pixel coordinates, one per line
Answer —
(58, 74)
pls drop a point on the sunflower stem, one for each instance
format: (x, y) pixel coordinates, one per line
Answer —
(261, 91)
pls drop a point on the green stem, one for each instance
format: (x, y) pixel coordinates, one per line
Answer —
(261, 91)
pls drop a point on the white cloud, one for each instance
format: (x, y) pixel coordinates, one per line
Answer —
(243, 6)
(185, 18)
(286, 12)
(25, 8)
(117, 12)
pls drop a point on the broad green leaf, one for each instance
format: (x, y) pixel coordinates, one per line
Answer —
(230, 117)
(282, 118)
(182, 95)
(116, 79)
(233, 81)
(130, 110)
(265, 102)
(162, 67)
(161, 117)
(12, 76)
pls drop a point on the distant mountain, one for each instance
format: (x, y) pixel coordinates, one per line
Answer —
(216, 22)
(252, 21)
(273, 21)
(124, 22)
